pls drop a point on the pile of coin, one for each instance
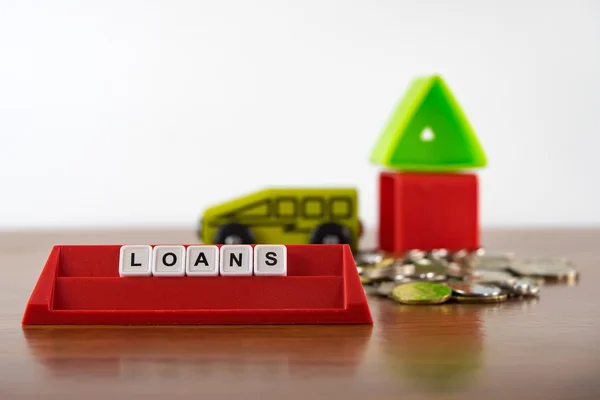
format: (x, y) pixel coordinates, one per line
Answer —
(439, 276)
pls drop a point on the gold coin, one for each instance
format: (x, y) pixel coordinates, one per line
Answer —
(385, 262)
(421, 293)
(481, 299)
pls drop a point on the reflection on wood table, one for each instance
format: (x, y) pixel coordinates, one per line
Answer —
(547, 348)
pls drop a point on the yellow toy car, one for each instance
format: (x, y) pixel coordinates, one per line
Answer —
(285, 216)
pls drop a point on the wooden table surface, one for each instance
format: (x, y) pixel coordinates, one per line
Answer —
(549, 348)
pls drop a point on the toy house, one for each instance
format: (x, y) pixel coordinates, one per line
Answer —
(428, 193)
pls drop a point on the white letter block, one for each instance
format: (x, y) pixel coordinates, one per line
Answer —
(236, 259)
(270, 259)
(202, 261)
(168, 261)
(134, 260)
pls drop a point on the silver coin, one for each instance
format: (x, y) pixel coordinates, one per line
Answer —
(474, 289)
(366, 269)
(415, 255)
(521, 288)
(551, 270)
(524, 287)
(465, 258)
(548, 260)
(483, 276)
(401, 270)
(379, 274)
(385, 289)
(439, 254)
(459, 255)
(361, 270)
(370, 290)
(368, 257)
(430, 270)
(495, 261)
(456, 270)
(403, 279)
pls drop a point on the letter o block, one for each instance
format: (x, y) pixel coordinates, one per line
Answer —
(168, 261)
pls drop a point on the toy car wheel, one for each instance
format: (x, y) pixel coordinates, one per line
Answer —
(234, 233)
(331, 233)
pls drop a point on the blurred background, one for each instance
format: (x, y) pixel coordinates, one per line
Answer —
(143, 113)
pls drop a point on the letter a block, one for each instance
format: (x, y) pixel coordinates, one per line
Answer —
(202, 260)
(428, 211)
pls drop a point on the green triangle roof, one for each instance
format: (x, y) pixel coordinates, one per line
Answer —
(428, 106)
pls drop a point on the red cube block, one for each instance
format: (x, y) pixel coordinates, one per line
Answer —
(428, 211)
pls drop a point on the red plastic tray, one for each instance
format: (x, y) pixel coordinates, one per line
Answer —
(80, 285)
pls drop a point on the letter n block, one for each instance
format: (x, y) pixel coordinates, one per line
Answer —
(428, 211)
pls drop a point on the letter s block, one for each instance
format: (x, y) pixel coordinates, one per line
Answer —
(270, 260)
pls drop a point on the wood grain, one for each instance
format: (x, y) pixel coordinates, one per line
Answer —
(549, 348)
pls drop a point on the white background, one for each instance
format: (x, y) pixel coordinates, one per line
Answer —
(143, 113)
